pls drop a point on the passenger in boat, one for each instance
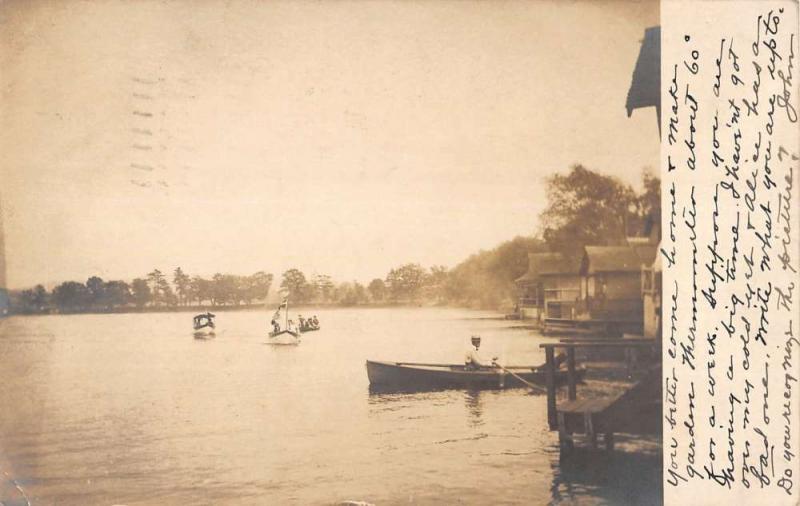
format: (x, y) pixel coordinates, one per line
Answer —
(473, 360)
(315, 321)
(275, 326)
(302, 321)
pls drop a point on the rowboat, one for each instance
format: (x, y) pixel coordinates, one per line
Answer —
(417, 376)
(308, 329)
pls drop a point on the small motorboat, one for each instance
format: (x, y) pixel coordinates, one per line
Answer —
(416, 376)
(204, 326)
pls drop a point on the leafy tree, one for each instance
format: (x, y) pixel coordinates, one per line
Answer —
(165, 293)
(351, 294)
(71, 296)
(648, 204)
(486, 279)
(436, 283)
(95, 286)
(116, 293)
(257, 286)
(182, 282)
(140, 291)
(156, 280)
(200, 289)
(377, 289)
(584, 208)
(32, 300)
(323, 287)
(405, 282)
(294, 281)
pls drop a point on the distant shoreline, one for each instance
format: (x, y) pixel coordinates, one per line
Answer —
(250, 307)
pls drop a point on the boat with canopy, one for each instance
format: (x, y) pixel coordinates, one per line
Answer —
(204, 327)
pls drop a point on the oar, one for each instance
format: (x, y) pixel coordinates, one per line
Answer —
(534, 387)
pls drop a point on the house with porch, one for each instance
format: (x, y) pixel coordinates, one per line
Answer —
(551, 288)
(612, 283)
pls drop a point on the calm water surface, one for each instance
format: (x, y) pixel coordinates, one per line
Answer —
(130, 409)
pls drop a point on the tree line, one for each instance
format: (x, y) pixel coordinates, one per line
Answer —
(151, 291)
(584, 207)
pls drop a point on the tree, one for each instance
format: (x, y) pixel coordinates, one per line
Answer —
(323, 287)
(140, 292)
(648, 203)
(584, 208)
(165, 293)
(487, 279)
(200, 289)
(95, 286)
(116, 293)
(71, 296)
(377, 290)
(182, 283)
(257, 286)
(156, 280)
(32, 300)
(294, 281)
(405, 282)
(351, 294)
(436, 283)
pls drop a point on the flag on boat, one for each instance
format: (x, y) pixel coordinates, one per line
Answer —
(284, 305)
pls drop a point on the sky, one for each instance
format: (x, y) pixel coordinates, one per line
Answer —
(341, 138)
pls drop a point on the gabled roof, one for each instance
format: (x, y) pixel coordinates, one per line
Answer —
(549, 264)
(645, 90)
(617, 258)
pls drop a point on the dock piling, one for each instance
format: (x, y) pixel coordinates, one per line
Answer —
(550, 376)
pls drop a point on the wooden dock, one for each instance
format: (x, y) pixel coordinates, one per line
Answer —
(591, 327)
(637, 410)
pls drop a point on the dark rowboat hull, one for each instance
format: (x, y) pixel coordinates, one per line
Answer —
(400, 376)
(309, 329)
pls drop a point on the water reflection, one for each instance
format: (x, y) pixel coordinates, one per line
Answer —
(610, 476)
(472, 399)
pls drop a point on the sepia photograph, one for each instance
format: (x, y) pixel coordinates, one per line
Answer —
(331, 252)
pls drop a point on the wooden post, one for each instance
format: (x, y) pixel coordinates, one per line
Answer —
(588, 428)
(565, 440)
(571, 373)
(609, 440)
(550, 376)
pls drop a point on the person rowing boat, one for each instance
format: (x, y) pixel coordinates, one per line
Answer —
(473, 359)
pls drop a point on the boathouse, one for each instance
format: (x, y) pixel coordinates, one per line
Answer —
(611, 282)
(551, 288)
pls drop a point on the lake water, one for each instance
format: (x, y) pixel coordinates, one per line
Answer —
(130, 409)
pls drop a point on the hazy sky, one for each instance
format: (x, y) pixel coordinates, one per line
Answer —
(338, 137)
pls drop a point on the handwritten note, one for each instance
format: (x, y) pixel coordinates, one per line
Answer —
(731, 252)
